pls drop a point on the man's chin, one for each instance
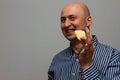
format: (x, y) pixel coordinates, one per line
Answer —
(71, 38)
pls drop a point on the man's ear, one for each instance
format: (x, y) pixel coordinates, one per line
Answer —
(89, 21)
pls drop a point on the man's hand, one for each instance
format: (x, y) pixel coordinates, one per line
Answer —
(85, 57)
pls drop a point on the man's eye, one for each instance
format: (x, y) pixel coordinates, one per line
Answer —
(63, 20)
(72, 18)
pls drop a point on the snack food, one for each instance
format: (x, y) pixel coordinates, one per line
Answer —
(80, 34)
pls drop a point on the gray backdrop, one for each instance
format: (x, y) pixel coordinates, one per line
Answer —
(30, 34)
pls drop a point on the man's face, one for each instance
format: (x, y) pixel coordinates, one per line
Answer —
(72, 19)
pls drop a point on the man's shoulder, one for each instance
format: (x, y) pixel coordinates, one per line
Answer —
(60, 56)
(62, 52)
(105, 48)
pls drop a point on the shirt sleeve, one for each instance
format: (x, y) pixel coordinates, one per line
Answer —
(112, 71)
(90, 73)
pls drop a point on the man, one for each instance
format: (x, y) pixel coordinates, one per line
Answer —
(87, 59)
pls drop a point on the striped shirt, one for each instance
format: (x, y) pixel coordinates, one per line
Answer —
(106, 65)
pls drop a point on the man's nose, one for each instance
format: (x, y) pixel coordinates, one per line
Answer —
(67, 23)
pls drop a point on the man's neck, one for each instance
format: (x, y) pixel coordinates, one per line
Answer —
(76, 45)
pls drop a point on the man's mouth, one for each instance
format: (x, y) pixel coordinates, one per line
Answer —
(69, 30)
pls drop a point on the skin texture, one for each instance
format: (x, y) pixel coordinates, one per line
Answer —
(76, 16)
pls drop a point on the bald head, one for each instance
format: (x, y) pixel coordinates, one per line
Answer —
(74, 16)
(78, 6)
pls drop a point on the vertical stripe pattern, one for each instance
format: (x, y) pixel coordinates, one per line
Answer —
(106, 65)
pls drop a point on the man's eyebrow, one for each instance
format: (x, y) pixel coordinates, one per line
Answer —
(71, 15)
(68, 15)
(62, 17)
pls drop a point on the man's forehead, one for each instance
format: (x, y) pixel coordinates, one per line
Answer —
(68, 12)
(71, 10)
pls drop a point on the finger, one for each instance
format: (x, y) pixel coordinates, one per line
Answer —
(83, 40)
(89, 36)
